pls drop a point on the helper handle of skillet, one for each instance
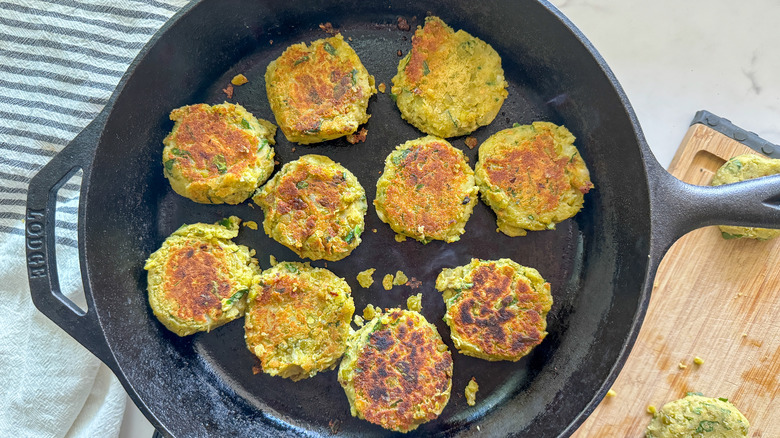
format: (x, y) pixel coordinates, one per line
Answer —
(40, 241)
(678, 207)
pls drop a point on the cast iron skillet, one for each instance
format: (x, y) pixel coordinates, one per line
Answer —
(600, 264)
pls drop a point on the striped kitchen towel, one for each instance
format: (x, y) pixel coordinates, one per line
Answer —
(60, 61)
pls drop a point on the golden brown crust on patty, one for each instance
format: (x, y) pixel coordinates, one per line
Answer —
(297, 319)
(425, 43)
(315, 207)
(196, 281)
(426, 191)
(496, 310)
(217, 154)
(397, 372)
(532, 176)
(319, 92)
(205, 134)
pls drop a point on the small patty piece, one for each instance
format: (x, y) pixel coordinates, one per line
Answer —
(400, 278)
(315, 207)
(496, 309)
(297, 319)
(414, 302)
(370, 312)
(218, 154)
(471, 392)
(427, 190)
(532, 176)
(397, 372)
(387, 282)
(740, 168)
(450, 83)
(366, 278)
(700, 417)
(198, 278)
(319, 92)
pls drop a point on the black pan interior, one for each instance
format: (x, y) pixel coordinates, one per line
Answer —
(204, 385)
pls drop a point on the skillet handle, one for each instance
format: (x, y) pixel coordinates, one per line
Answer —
(40, 242)
(679, 207)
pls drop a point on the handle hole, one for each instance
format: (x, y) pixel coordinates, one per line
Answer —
(66, 246)
(703, 168)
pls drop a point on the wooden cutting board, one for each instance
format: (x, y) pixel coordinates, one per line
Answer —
(713, 298)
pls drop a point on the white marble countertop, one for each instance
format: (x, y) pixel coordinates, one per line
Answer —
(672, 58)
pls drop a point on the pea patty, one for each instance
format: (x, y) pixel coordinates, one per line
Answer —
(426, 191)
(397, 372)
(297, 319)
(198, 278)
(740, 168)
(450, 83)
(496, 309)
(319, 92)
(315, 207)
(532, 176)
(218, 154)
